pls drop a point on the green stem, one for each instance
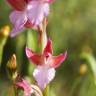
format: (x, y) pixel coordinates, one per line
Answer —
(91, 61)
(1, 53)
(14, 88)
(31, 43)
(46, 91)
(2, 43)
(15, 92)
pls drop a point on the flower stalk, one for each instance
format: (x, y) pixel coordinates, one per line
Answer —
(46, 91)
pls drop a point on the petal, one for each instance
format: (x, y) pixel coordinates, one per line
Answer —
(46, 9)
(23, 84)
(37, 11)
(17, 4)
(28, 88)
(55, 61)
(18, 19)
(49, 1)
(35, 58)
(48, 48)
(43, 76)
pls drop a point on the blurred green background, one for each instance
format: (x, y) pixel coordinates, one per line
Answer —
(72, 26)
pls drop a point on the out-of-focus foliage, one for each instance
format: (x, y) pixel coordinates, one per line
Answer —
(72, 26)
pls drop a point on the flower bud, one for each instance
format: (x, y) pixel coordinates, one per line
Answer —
(83, 69)
(12, 68)
(4, 31)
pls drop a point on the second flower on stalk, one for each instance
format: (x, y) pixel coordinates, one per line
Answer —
(46, 64)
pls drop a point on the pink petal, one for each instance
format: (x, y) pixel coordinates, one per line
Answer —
(43, 76)
(17, 4)
(37, 11)
(35, 58)
(18, 19)
(55, 61)
(25, 86)
(46, 9)
(49, 1)
(48, 48)
(29, 89)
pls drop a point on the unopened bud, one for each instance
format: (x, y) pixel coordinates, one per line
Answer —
(12, 67)
(83, 69)
(4, 31)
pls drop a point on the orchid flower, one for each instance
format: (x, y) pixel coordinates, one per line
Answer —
(28, 14)
(28, 89)
(46, 64)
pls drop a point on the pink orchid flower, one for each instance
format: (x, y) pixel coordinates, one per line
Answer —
(46, 64)
(28, 89)
(28, 14)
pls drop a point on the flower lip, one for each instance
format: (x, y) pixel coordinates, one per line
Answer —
(47, 74)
